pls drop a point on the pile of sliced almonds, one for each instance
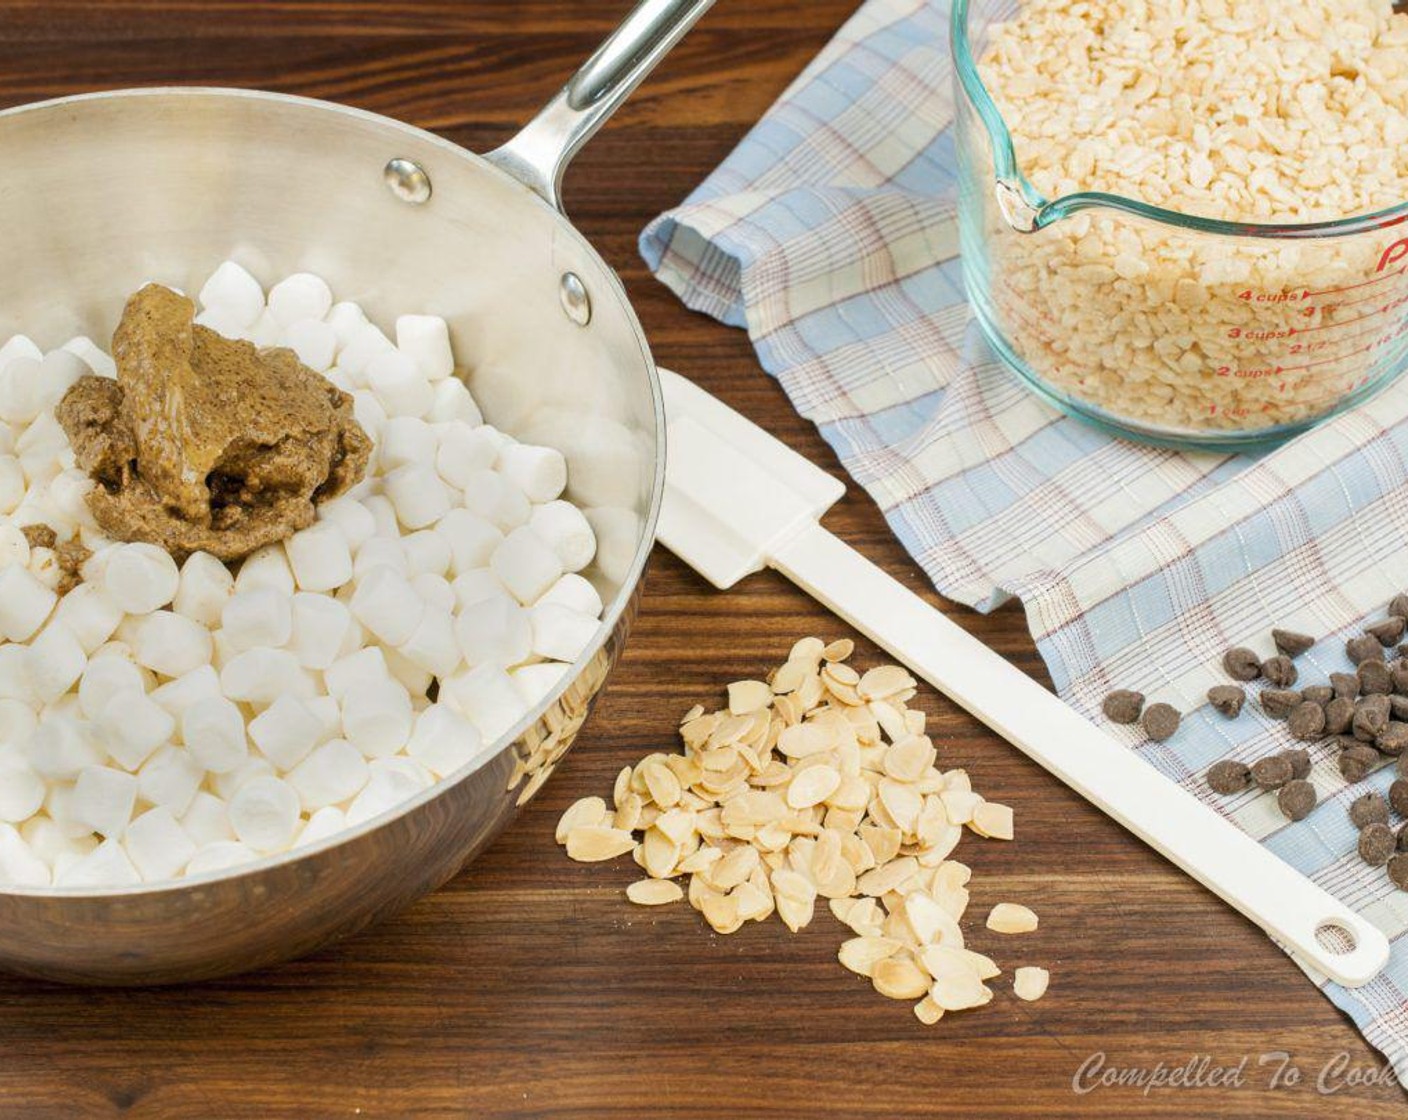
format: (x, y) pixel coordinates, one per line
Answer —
(817, 782)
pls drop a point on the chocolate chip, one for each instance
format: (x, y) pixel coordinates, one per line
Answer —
(1398, 872)
(1388, 632)
(1376, 844)
(1306, 722)
(1296, 799)
(1339, 713)
(1242, 664)
(1290, 643)
(1398, 707)
(1227, 699)
(1393, 739)
(1370, 717)
(1398, 796)
(1345, 684)
(1374, 679)
(1160, 721)
(1398, 676)
(1299, 758)
(1320, 694)
(1279, 703)
(1403, 837)
(1279, 671)
(1123, 706)
(1228, 777)
(1398, 605)
(1362, 648)
(1272, 772)
(1369, 809)
(1356, 762)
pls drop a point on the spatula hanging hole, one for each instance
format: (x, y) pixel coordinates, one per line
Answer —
(1335, 938)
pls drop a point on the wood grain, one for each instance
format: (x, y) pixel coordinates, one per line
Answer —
(528, 987)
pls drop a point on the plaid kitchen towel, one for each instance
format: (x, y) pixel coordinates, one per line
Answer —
(829, 235)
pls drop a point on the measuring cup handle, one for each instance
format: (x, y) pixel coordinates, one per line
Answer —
(540, 153)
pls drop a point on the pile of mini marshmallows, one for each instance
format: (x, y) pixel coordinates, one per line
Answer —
(160, 721)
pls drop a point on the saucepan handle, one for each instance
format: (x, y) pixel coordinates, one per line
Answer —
(540, 153)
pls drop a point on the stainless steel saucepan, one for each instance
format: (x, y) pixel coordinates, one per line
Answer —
(102, 192)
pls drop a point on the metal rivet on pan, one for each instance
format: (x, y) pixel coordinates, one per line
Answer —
(407, 180)
(575, 300)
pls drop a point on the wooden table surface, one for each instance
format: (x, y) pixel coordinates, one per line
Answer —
(528, 986)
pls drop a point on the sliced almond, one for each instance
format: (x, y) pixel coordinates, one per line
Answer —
(928, 1012)
(628, 814)
(902, 802)
(807, 650)
(659, 853)
(794, 913)
(654, 892)
(959, 805)
(1011, 917)
(734, 868)
(1030, 983)
(956, 985)
(698, 860)
(677, 825)
(839, 650)
(812, 786)
(862, 954)
(594, 843)
(721, 912)
(897, 978)
(586, 811)
(887, 877)
(910, 758)
(985, 967)
(747, 697)
(884, 681)
(992, 820)
(753, 904)
(661, 783)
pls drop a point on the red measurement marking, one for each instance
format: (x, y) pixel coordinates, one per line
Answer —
(1353, 302)
(1333, 358)
(1345, 322)
(1352, 287)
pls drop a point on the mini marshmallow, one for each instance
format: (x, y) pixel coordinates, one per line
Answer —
(327, 821)
(107, 865)
(204, 587)
(406, 441)
(233, 294)
(568, 533)
(59, 369)
(48, 841)
(267, 331)
(540, 472)
(494, 631)
(496, 500)
(426, 340)
(265, 814)
(391, 782)
(380, 552)
(427, 553)
(300, 296)
(407, 673)
(352, 517)
(329, 715)
(443, 740)
(19, 346)
(399, 384)
(364, 342)
(170, 778)
(167, 643)
(21, 789)
(56, 661)
(436, 591)
(266, 567)
(560, 633)
(534, 682)
(230, 783)
(355, 672)
(89, 614)
(574, 593)
(262, 616)
(384, 516)
(18, 863)
(134, 726)
(525, 565)
(286, 731)
(213, 731)
(14, 547)
(206, 819)
(320, 557)
(377, 719)
(103, 799)
(487, 697)
(18, 721)
(418, 494)
(333, 773)
(106, 677)
(94, 356)
(24, 603)
(617, 540)
(260, 676)
(475, 586)
(462, 451)
(177, 695)
(368, 410)
(68, 494)
(44, 566)
(314, 342)
(219, 855)
(345, 318)
(12, 484)
(22, 395)
(453, 403)
(387, 605)
(433, 647)
(320, 626)
(140, 578)
(471, 539)
(222, 323)
(157, 845)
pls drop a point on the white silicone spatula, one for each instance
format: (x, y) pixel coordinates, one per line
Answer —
(737, 500)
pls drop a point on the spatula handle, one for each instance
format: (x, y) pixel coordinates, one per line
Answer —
(1106, 773)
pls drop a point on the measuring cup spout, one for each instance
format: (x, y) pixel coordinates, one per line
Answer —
(1017, 212)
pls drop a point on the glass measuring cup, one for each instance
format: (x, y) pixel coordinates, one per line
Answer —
(1163, 326)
